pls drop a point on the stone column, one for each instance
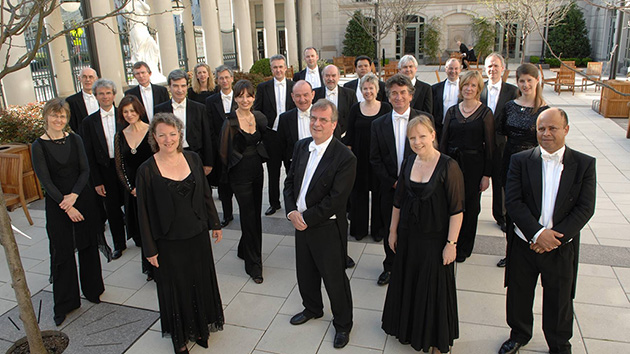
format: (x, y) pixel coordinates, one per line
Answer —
(291, 28)
(269, 19)
(189, 35)
(59, 55)
(212, 33)
(17, 87)
(243, 26)
(108, 49)
(166, 35)
(306, 24)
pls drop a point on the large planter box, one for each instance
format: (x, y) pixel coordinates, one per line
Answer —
(614, 105)
(32, 188)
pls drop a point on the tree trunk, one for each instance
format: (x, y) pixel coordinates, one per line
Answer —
(18, 278)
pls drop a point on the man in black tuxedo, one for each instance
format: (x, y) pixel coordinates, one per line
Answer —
(388, 148)
(422, 97)
(463, 49)
(98, 131)
(495, 95)
(446, 93)
(312, 73)
(150, 95)
(197, 130)
(273, 98)
(341, 97)
(217, 107)
(550, 196)
(363, 65)
(295, 123)
(83, 103)
(316, 192)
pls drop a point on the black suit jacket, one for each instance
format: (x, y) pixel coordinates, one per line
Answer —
(575, 201)
(438, 105)
(346, 99)
(381, 96)
(160, 95)
(383, 156)
(422, 97)
(301, 75)
(330, 187)
(96, 145)
(78, 111)
(288, 134)
(198, 129)
(265, 101)
(508, 92)
(216, 114)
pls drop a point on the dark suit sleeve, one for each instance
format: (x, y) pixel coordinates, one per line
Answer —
(376, 157)
(89, 139)
(290, 200)
(283, 131)
(515, 203)
(258, 100)
(427, 105)
(143, 189)
(206, 137)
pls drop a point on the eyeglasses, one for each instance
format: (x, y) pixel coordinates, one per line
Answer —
(321, 120)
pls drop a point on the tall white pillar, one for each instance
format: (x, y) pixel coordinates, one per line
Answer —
(17, 87)
(189, 35)
(244, 28)
(166, 35)
(306, 24)
(59, 55)
(108, 46)
(269, 22)
(291, 26)
(212, 33)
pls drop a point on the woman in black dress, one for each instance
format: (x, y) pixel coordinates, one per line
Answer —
(175, 209)
(72, 219)
(468, 137)
(242, 154)
(131, 149)
(421, 303)
(203, 85)
(519, 120)
(358, 140)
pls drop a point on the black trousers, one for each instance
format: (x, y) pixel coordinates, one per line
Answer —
(556, 269)
(386, 199)
(498, 192)
(320, 254)
(272, 145)
(66, 280)
(360, 214)
(249, 197)
(225, 196)
(114, 199)
(473, 172)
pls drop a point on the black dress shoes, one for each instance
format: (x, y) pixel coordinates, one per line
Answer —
(502, 225)
(502, 263)
(59, 319)
(226, 221)
(341, 339)
(117, 254)
(510, 346)
(377, 238)
(271, 210)
(301, 318)
(383, 279)
(258, 279)
(349, 262)
(97, 300)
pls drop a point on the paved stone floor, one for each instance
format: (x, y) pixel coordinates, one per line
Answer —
(257, 316)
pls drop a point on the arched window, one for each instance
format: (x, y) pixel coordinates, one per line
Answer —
(410, 37)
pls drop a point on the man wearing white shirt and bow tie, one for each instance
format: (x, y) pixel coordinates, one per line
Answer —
(388, 147)
(446, 93)
(273, 97)
(550, 196)
(295, 123)
(341, 97)
(312, 73)
(150, 95)
(362, 66)
(495, 95)
(83, 103)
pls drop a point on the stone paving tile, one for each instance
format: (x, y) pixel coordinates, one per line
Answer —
(604, 346)
(600, 291)
(366, 330)
(229, 286)
(223, 341)
(282, 337)
(278, 282)
(252, 310)
(603, 322)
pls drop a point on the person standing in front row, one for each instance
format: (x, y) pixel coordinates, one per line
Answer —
(550, 196)
(316, 193)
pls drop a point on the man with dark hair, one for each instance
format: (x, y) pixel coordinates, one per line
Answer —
(312, 73)
(341, 97)
(273, 97)
(422, 96)
(446, 93)
(388, 148)
(83, 103)
(363, 65)
(316, 192)
(550, 196)
(150, 95)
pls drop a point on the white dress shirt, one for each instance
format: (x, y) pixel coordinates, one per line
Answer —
(333, 96)
(227, 101)
(108, 120)
(179, 110)
(552, 166)
(450, 96)
(147, 99)
(413, 82)
(280, 90)
(400, 122)
(312, 76)
(91, 104)
(359, 93)
(303, 123)
(317, 151)
(493, 95)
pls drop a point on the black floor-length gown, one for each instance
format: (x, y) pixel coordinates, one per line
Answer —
(421, 303)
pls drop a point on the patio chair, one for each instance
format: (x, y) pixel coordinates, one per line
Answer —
(593, 72)
(549, 81)
(12, 182)
(566, 77)
(437, 74)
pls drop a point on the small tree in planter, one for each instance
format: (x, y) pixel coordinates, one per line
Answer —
(484, 34)
(357, 41)
(432, 39)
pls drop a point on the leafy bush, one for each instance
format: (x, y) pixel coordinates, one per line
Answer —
(432, 38)
(21, 124)
(534, 59)
(253, 77)
(356, 40)
(570, 37)
(262, 67)
(483, 32)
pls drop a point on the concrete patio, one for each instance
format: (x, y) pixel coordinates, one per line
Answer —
(257, 316)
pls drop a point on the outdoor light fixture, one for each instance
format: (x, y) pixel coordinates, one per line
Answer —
(178, 7)
(70, 5)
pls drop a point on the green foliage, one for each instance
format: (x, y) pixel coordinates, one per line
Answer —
(570, 37)
(21, 124)
(261, 67)
(357, 40)
(254, 78)
(534, 59)
(483, 32)
(432, 38)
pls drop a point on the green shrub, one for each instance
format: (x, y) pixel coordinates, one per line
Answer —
(552, 62)
(261, 67)
(21, 124)
(534, 59)
(484, 35)
(357, 41)
(253, 77)
(570, 37)
(432, 38)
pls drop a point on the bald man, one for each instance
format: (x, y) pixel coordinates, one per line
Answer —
(341, 97)
(83, 103)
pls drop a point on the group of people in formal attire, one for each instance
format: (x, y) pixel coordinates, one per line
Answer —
(403, 161)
